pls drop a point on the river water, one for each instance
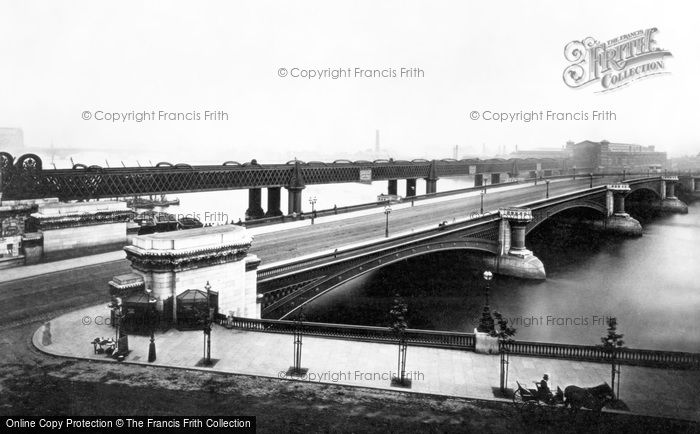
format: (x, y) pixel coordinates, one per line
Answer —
(650, 284)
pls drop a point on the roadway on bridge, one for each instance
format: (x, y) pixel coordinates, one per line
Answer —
(328, 236)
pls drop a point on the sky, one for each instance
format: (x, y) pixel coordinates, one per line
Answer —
(60, 59)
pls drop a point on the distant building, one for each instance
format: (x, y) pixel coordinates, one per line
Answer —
(607, 156)
(557, 154)
(685, 164)
(11, 139)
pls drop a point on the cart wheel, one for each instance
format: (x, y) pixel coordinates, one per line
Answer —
(518, 400)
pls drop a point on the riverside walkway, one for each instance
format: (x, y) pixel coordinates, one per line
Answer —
(647, 391)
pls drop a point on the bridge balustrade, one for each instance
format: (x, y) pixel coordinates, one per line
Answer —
(590, 353)
(466, 341)
(427, 338)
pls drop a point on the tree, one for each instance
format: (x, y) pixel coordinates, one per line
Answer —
(612, 344)
(505, 334)
(398, 326)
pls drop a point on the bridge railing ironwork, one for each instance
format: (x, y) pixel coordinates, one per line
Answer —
(591, 353)
(466, 341)
(424, 338)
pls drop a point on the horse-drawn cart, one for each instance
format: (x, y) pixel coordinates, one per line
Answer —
(537, 402)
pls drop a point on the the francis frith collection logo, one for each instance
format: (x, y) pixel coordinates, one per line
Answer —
(614, 63)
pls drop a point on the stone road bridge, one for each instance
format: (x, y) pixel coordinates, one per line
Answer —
(287, 285)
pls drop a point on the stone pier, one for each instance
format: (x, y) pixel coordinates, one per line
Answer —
(392, 188)
(254, 210)
(617, 220)
(515, 259)
(410, 187)
(432, 179)
(274, 202)
(669, 202)
(295, 186)
(172, 263)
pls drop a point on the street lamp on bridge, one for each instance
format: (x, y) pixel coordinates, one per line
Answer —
(312, 201)
(483, 192)
(547, 182)
(387, 211)
(486, 324)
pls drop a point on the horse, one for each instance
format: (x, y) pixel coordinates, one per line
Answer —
(593, 398)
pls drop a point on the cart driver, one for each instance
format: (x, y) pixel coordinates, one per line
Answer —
(544, 388)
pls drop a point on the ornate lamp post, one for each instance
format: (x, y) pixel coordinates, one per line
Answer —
(387, 211)
(151, 322)
(486, 323)
(312, 201)
(483, 192)
(207, 327)
(591, 175)
(547, 182)
(296, 370)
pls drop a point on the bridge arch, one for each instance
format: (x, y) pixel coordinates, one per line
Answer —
(296, 300)
(540, 216)
(644, 189)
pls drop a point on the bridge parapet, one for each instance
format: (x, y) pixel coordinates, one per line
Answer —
(669, 178)
(621, 187)
(519, 215)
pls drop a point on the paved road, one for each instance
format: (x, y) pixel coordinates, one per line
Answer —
(291, 243)
(42, 297)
